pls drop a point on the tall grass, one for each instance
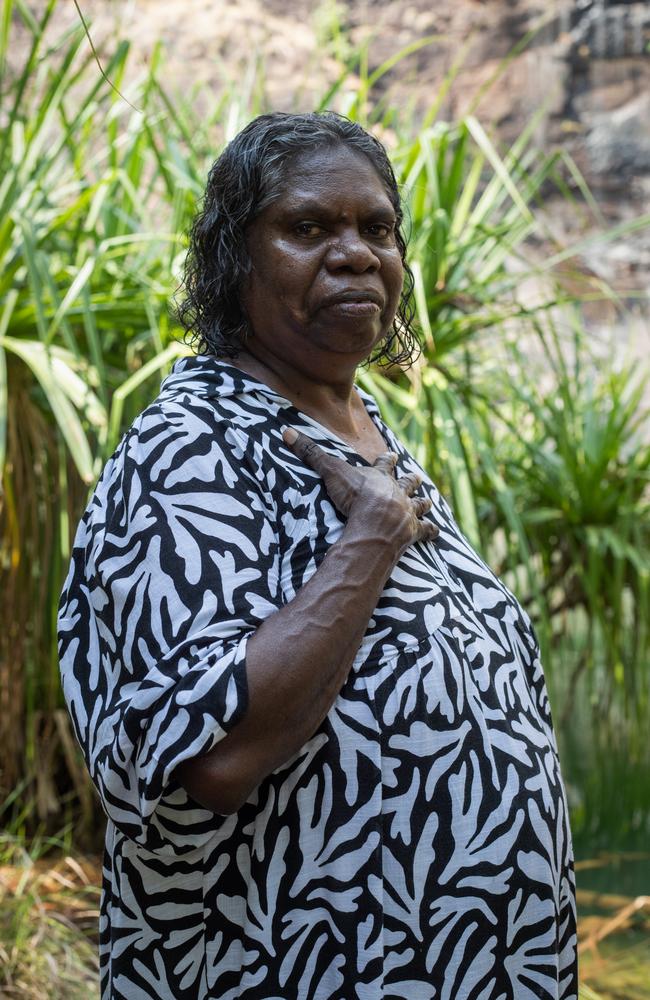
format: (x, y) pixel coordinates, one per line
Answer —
(93, 200)
(546, 459)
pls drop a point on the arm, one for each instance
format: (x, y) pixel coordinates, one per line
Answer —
(174, 567)
(300, 657)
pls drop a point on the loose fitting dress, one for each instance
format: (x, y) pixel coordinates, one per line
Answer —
(417, 846)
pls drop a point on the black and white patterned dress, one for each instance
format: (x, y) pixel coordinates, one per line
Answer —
(416, 847)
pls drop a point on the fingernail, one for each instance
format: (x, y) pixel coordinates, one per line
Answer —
(289, 435)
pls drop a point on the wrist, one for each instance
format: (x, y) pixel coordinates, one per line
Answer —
(363, 540)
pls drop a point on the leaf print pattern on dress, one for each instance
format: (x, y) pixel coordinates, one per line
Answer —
(417, 846)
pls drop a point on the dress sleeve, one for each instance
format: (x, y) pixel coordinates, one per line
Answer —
(174, 566)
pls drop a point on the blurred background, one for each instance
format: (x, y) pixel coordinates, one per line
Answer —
(520, 135)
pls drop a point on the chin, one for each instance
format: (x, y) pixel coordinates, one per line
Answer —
(357, 355)
(353, 341)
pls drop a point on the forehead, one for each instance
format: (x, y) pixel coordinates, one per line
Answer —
(332, 173)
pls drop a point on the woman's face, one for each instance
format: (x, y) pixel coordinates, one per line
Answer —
(326, 271)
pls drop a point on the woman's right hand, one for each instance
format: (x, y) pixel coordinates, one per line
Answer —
(374, 502)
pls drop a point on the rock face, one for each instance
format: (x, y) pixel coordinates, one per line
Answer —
(617, 146)
(607, 93)
(610, 30)
(585, 62)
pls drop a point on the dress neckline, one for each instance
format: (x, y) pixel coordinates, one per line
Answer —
(326, 432)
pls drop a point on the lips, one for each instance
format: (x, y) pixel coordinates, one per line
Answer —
(363, 298)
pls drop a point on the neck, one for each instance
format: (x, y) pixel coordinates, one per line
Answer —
(331, 401)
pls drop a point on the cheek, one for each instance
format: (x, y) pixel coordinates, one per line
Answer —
(286, 273)
(395, 279)
(265, 285)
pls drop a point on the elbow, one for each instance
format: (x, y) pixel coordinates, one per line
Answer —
(225, 801)
(217, 788)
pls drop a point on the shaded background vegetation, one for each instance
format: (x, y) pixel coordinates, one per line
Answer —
(541, 441)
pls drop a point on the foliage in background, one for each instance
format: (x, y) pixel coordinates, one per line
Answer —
(545, 458)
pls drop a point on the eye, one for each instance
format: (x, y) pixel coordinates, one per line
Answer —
(381, 230)
(309, 229)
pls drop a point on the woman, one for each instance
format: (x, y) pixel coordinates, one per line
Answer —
(317, 722)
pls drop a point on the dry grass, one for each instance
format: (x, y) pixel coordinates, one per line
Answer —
(48, 927)
(620, 970)
(613, 937)
(614, 948)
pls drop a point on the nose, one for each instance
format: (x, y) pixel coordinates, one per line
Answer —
(350, 251)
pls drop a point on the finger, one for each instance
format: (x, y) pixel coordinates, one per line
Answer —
(421, 505)
(307, 450)
(386, 462)
(410, 482)
(427, 531)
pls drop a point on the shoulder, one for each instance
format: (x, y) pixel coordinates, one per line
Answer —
(183, 436)
(181, 452)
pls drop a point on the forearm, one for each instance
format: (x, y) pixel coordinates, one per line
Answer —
(296, 664)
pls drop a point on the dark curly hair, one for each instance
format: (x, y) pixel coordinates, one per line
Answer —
(246, 178)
